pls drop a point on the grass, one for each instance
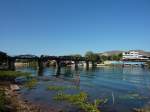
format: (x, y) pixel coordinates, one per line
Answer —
(60, 88)
(56, 88)
(79, 100)
(31, 83)
(2, 101)
(11, 75)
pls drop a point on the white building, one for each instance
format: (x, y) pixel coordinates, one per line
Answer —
(133, 55)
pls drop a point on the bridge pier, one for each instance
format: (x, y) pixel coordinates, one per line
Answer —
(11, 63)
(93, 64)
(58, 67)
(87, 65)
(76, 65)
(40, 64)
(40, 67)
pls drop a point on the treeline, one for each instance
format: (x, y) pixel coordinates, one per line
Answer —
(95, 57)
(113, 57)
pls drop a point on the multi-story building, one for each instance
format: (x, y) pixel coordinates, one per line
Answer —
(133, 55)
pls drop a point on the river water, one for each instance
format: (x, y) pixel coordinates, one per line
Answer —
(124, 88)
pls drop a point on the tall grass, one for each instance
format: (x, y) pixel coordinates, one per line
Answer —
(79, 100)
(11, 75)
(31, 83)
(60, 88)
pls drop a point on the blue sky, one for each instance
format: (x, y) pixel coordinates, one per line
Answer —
(61, 27)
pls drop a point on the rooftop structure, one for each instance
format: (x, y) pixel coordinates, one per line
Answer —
(133, 55)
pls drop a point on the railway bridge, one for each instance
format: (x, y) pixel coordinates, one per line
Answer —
(42, 59)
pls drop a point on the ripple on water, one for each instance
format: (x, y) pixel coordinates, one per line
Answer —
(125, 88)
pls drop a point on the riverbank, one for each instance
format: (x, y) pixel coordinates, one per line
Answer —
(14, 102)
(11, 99)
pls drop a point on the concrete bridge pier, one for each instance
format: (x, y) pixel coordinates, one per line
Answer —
(76, 65)
(40, 67)
(11, 64)
(93, 64)
(58, 67)
(40, 64)
(87, 65)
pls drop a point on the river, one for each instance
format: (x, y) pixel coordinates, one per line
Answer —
(125, 88)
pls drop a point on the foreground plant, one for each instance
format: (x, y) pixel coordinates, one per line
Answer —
(79, 100)
(2, 101)
(31, 83)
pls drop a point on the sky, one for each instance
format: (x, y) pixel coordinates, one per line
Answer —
(64, 27)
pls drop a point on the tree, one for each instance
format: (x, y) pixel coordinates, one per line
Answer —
(104, 58)
(89, 55)
(92, 57)
(120, 56)
(114, 57)
(76, 56)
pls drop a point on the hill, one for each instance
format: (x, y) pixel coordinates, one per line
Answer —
(116, 52)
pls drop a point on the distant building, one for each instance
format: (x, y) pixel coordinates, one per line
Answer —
(133, 55)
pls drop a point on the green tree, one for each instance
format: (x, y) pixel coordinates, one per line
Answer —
(116, 57)
(120, 56)
(92, 57)
(104, 58)
(76, 56)
(88, 55)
